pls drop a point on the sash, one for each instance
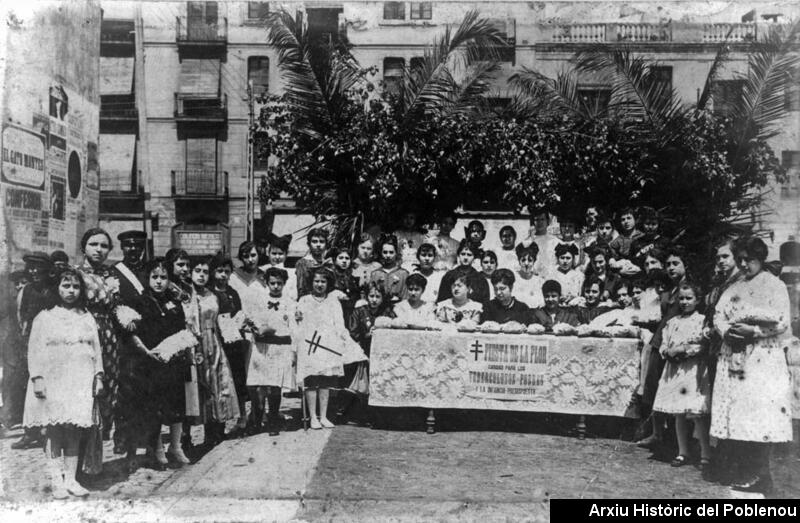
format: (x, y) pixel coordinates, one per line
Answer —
(122, 268)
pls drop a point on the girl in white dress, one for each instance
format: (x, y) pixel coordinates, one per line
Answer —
(323, 344)
(684, 389)
(66, 367)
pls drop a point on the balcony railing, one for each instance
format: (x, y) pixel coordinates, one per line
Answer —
(200, 183)
(580, 33)
(591, 33)
(118, 109)
(644, 33)
(743, 32)
(672, 32)
(196, 31)
(199, 107)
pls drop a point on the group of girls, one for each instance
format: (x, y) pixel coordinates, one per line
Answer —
(714, 362)
(204, 335)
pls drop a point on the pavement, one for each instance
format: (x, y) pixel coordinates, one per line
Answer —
(495, 468)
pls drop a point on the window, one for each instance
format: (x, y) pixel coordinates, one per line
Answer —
(417, 62)
(421, 10)
(258, 74)
(202, 20)
(394, 10)
(661, 76)
(724, 94)
(595, 99)
(506, 28)
(393, 74)
(791, 162)
(200, 176)
(257, 10)
(791, 98)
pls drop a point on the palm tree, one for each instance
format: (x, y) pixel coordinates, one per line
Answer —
(639, 102)
(325, 85)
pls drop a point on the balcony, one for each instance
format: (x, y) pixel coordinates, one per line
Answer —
(605, 33)
(200, 184)
(118, 108)
(117, 37)
(198, 32)
(198, 107)
(672, 33)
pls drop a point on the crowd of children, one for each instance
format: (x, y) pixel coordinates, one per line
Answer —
(195, 336)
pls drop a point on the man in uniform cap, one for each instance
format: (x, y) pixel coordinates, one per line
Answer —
(33, 299)
(59, 260)
(130, 275)
(129, 271)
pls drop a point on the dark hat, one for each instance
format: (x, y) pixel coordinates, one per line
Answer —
(132, 235)
(59, 257)
(37, 258)
(17, 276)
(281, 242)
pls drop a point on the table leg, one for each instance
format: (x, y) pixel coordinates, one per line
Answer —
(581, 427)
(431, 422)
(304, 407)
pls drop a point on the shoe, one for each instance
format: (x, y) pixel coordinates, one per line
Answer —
(71, 484)
(650, 442)
(759, 484)
(274, 423)
(707, 470)
(679, 461)
(176, 453)
(326, 423)
(315, 423)
(56, 473)
(160, 456)
(27, 441)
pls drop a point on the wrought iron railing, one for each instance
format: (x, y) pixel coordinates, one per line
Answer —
(199, 106)
(199, 182)
(199, 31)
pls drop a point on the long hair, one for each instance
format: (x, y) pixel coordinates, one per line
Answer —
(69, 272)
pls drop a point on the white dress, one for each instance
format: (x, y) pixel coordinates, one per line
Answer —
(322, 341)
(272, 360)
(571, 281)
(756, 404)
(529, 291)
(253, 294)
(684, 387)
(64, 349)
(431, 292)
(424, 313)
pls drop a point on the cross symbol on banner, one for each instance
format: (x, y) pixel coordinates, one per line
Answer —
(314, 344)
(476, 349)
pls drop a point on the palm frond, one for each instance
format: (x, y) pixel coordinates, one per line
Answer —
(427, 87)
(549, 96)
(636, 92)
(758, 112)
(318, 81)
(723, 51)
(470, 94)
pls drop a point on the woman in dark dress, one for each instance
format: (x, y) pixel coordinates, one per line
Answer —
(101, 298)
(230, 303)
(159, 378)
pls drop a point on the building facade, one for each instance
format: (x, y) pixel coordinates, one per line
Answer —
(175, 113)
(49, 103)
